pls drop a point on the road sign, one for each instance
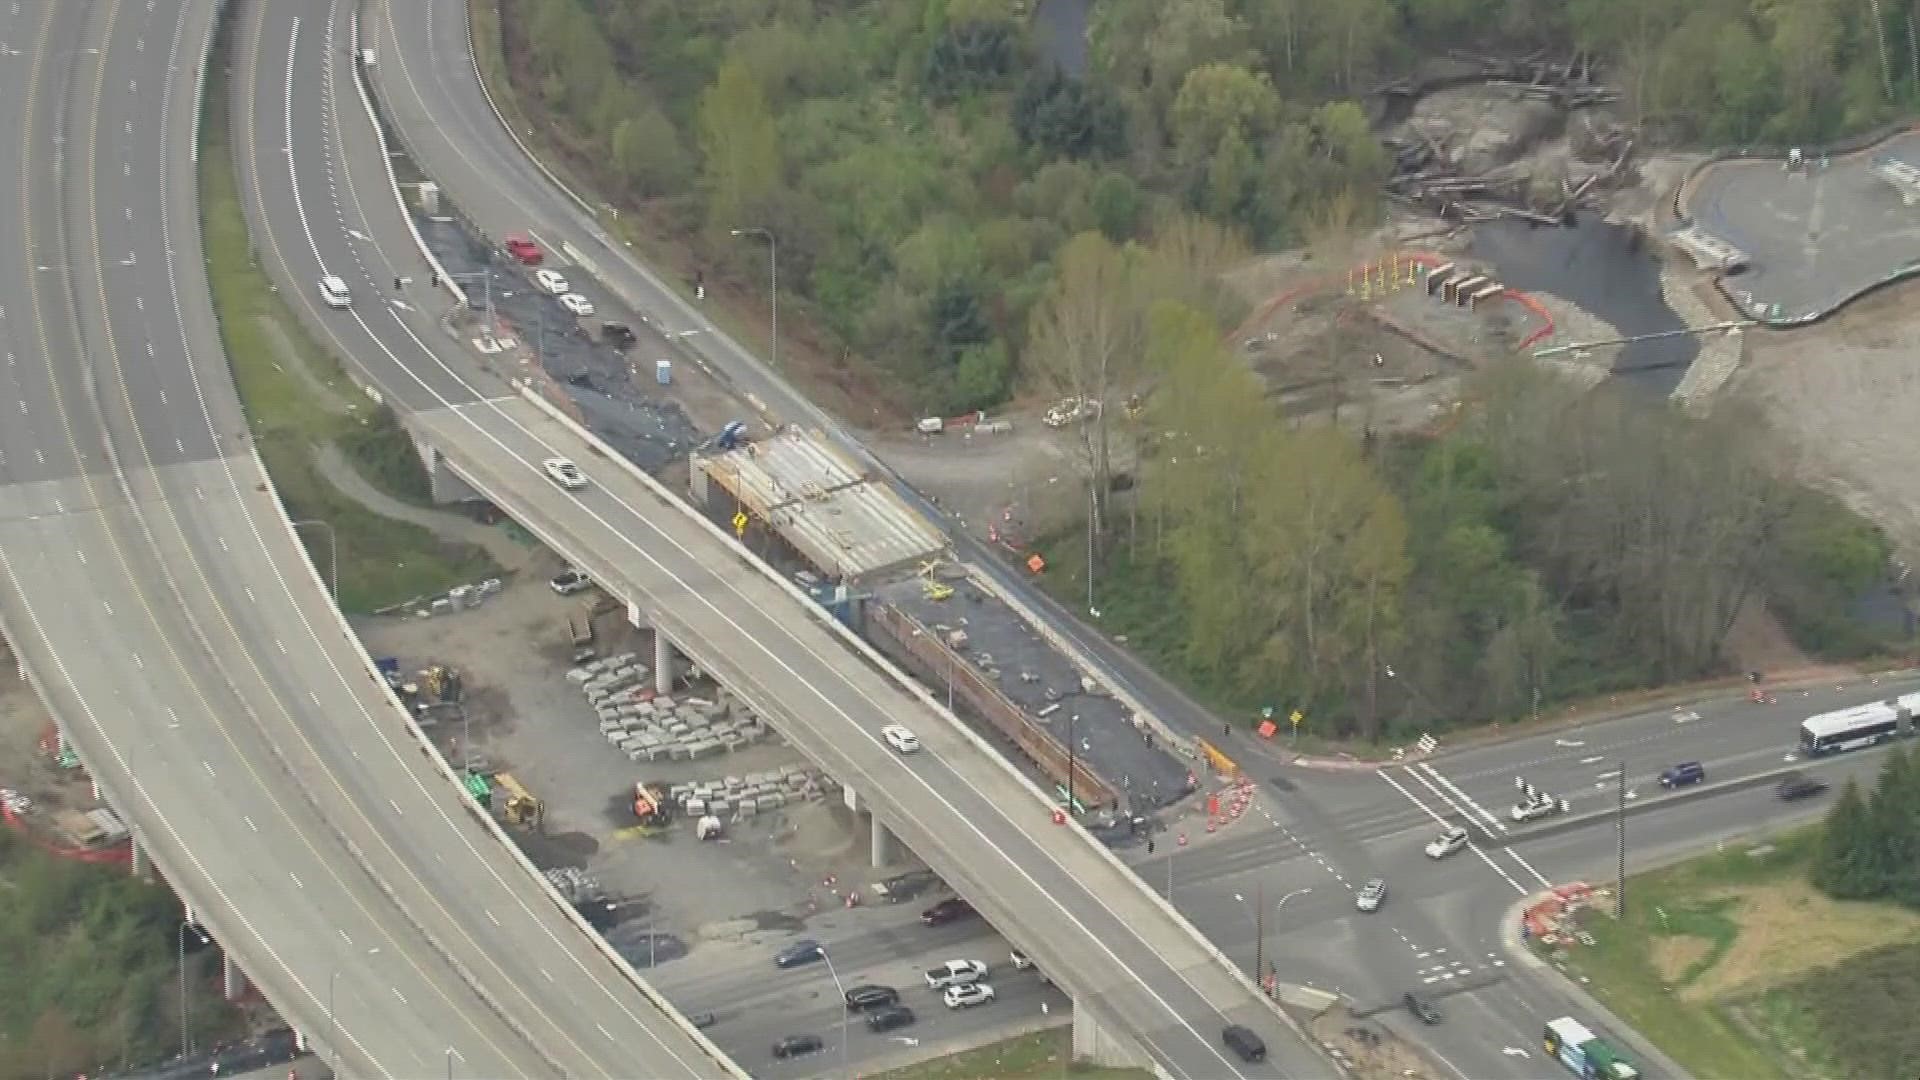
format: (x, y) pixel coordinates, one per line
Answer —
(1296, 717)
(740, 523)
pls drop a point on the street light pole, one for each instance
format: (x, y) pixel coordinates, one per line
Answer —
(1283, 903)
(845, 1066)
(333, 554)
(773, 282)
(450, 1056)
(1072, 720)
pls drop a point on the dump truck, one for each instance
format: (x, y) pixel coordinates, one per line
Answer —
(1588, 1056)
(520, 807)
(652, 805)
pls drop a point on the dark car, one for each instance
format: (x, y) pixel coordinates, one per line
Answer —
(703, 1020)
(871, 997)
(1687, 772)
(946, 911)
(794, 1046)
(193, 937)
(1799, 786)
(804, 951)
(889, 1018)
(1243, 1041)
(618, 335)
(1421, 1008)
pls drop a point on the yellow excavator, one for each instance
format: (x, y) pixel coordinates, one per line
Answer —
(520, 807)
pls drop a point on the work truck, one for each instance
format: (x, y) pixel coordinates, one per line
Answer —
(1587, 1055)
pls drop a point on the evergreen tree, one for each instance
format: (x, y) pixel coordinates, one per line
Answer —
(1842, 869)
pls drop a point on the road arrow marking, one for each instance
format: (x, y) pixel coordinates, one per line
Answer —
(360, 236)
(1591, 760)
(1513, 1051)
(1569, 744)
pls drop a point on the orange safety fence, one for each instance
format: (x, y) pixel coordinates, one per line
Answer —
(120, 852)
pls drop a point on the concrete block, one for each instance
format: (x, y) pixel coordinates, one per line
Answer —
(578, 676)
(733, 742)
(773, 800)
(664, 702)
(719, 807)
(678, 727)
(641, 753)
(696, 806)
(735, 782)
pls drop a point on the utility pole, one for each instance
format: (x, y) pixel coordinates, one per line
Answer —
(1071, 718)
(1259, 930)
(1620, 881)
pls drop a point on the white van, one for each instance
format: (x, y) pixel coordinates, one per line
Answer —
(334, 292)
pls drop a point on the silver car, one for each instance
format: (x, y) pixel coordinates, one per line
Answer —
(1371, 895)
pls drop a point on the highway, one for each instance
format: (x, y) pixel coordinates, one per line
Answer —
(163, 607)
(326, 207)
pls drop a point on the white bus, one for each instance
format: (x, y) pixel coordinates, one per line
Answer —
(1856, 728)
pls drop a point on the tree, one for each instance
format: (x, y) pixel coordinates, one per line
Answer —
(647, 154)
(1061, 116)
(1218, 99)
(1086, 341)
(1843, 866)
(739, 144)
(969, 56)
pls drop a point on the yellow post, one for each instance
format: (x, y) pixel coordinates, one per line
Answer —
(1395, 276)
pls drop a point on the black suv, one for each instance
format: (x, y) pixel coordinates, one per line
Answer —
(1799, 786)
(1421, 1008)
(870, 997)
(889, 1018)
(1244, 1042)
(946, 911)
(794, 1046)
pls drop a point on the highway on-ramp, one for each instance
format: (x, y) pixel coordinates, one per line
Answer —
(326, 206)
(161, 604)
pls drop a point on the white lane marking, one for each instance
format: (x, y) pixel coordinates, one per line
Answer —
(296, 880)
(1538, 876)
(1471, 846)
(1464, 797)
(250, 823)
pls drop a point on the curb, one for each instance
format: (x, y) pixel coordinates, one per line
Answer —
(1517, 950)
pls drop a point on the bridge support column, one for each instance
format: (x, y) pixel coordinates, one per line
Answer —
(1098, 1043)
(442, 484)
(884, 847)
(142, 869)
(233, 981)
(662, 663)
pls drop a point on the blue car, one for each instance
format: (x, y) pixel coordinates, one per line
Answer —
(805, 951)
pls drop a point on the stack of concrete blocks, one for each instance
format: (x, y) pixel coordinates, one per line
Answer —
(741, 797)
(572, 884)
(649, 728)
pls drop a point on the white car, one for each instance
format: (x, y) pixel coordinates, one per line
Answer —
(1447, 843)
(1021, 961)
(570, 581)
(1538, 808)
(971, 994)
(577, 304)
(1371, 895)
(550, 281)
(334, 292)
(900, 738)
(565, 473)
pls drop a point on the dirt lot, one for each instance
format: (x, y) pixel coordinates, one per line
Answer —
(527, 719)
(1369, 1050)
(1844, 394)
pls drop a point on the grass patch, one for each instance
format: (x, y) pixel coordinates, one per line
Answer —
(92, 965)
(1727, 963)
(1039, 1056)
(382, 561)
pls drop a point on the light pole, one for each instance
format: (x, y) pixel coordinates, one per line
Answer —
(451, 1054)
(486, 285)
(333, 1027)
(845, 1067)
(1259, 912)
(180, 940)
(1072, 719)
(333, 554)
(773, 281)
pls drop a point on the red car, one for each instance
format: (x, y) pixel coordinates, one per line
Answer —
(522, 247)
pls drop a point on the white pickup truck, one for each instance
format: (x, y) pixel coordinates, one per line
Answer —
(955, 973)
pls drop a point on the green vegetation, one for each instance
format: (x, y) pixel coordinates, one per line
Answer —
(92, 960)
(1870, 848)
(1043, 1055)
(1556, 542)
(1855, 1018)
(297, 399)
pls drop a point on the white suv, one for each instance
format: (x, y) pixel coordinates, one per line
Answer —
(970, 994)
(1447, 843)
(901, 739)
(334, 292)
(551, 282)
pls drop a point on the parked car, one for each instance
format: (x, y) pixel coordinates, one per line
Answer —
(968, 995)
(1447, 843)
(946, 911)
(868, 996)
(522, 248)
(889, 1018)
(565, 473)
(804, 951)
(570, 581)
(1687, 772)
(551, 282)
(1421, 1008)
(618, 335)
(1799, 785)
(1021, 961)
(1242, 1041)
(794, 1046)
(577, 304)
(901, 739)
(1371, 895)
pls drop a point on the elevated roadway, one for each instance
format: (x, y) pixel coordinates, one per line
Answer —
(1146, 978)
(162, 605)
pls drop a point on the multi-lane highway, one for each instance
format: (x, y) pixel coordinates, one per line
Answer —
(163, 607)
(315, 180)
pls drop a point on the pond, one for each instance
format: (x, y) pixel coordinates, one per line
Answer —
(1608, 271)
